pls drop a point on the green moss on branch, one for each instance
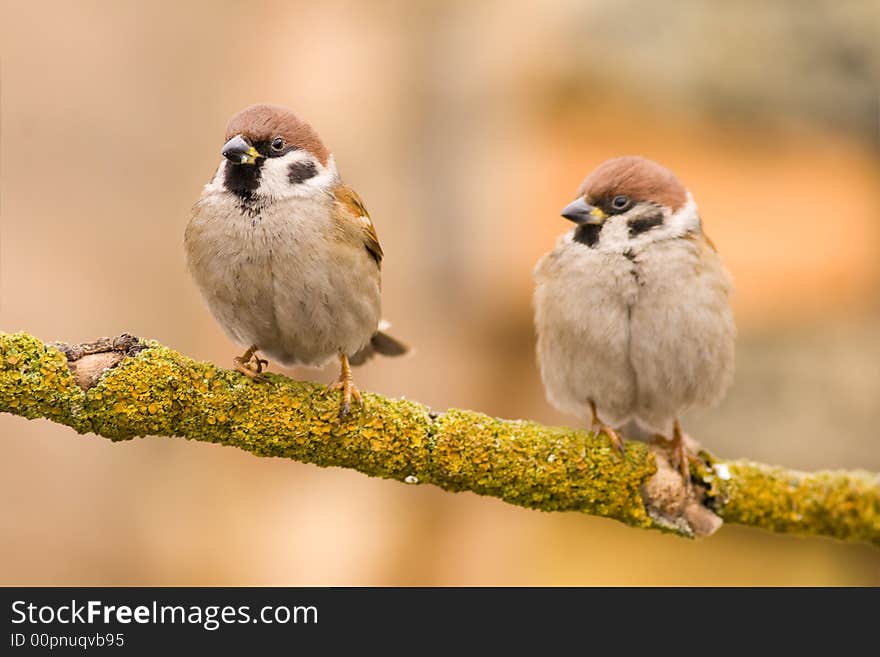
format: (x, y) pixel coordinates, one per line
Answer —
(160, 392)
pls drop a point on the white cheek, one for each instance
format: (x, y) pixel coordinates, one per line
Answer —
(686, 220)
(275, 181)
(274, 172)
(615, 236)
(675, 224)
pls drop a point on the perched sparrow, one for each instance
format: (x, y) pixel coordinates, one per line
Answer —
(285, 254)
(631, 306)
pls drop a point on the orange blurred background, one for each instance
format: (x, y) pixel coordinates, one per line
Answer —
(466, 127)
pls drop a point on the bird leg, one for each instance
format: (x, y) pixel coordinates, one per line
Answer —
(678, 452)
(345, 383)
(250, 364)
(599, 426)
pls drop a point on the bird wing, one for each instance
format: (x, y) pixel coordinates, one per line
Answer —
(354, 211)
(701, 233)
(709, 242)
(709, 262)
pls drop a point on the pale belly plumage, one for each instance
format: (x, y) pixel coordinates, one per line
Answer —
(582, 300)
(277, 278)
(645, 335)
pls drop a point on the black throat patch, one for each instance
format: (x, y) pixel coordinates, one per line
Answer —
(587, 234)
(644, 224)
(243, 179)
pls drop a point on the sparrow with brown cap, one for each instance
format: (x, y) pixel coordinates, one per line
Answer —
(632, 306)
(285, 254)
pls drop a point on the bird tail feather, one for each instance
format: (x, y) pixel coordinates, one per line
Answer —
(380, 343)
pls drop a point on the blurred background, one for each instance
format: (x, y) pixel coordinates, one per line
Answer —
(466, 126)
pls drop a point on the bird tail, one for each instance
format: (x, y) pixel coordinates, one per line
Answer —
(380, 343)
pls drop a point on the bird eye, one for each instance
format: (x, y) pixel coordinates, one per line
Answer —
(620, 202)
(277, 144)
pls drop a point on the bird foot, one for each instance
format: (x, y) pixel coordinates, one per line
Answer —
(346, 385)
(349, 392)
(678, 452)
(613, 436)
(600, 427)
(251, 365)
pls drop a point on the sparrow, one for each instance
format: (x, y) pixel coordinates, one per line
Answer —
(632, 307)
(285, 254)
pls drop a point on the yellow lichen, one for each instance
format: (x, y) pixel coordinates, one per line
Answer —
(843, 505)
(161, 392)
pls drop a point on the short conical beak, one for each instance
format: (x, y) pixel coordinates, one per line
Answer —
(581, 212)
(238, 151)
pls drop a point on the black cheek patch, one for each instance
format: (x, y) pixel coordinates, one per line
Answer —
(301, 171)
(644, 224)
(587, 234)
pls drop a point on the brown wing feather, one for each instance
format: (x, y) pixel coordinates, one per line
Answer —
(706, 238)
(710, 242)
(354, 207)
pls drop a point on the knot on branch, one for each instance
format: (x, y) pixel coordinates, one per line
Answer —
(675, 506)
(89, 360)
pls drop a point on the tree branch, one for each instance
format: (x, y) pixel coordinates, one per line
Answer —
(123, 387)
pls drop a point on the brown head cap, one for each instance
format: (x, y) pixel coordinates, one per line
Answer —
(636, 177)
(265, 122)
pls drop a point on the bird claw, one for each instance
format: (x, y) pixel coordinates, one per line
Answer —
(681, 448)
(251, 365)
(678, 453)
(349, 392)
(615, 438)
(600, 427)
(346, 385)
(249, 371)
